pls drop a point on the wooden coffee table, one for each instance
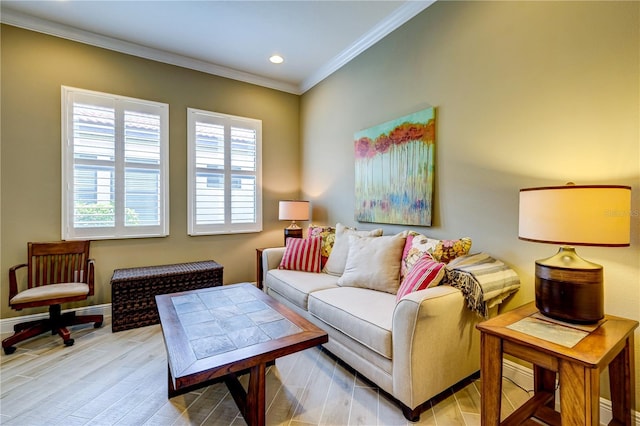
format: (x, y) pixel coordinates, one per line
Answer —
(219, 332)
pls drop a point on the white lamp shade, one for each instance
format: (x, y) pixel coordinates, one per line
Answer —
(589, 215)
(293, 210)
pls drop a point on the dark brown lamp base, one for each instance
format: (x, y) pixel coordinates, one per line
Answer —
(569, 288)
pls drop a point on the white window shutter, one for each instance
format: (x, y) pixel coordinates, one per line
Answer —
(115, 166)
(224, 185)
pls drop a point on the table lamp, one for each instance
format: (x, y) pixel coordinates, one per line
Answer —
(293, 210)
(568, 287)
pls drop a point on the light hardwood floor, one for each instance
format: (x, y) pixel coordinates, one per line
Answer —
(121, 379)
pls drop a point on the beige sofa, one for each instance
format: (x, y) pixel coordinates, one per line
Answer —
(413, 348)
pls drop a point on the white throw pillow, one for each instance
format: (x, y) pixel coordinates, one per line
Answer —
(374, 263)
(338, 257)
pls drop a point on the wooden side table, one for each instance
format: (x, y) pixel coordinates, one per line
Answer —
(259, 273)
(607, 343)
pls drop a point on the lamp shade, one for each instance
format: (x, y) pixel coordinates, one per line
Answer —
(293, 210)
(576, 215)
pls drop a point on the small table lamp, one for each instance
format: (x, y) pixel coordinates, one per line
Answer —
(568, 287)
(293, 210)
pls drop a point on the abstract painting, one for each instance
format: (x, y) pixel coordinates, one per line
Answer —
(394, 170)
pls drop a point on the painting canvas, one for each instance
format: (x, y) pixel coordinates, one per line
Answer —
(394, 170)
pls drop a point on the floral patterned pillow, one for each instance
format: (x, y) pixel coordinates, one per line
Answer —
(447, 250)
(444, 251)
(416, 246)
(328, 234)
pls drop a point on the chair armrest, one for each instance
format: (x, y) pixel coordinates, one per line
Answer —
(13, 280)
(90, 275)
(271, 258)
(435, 343)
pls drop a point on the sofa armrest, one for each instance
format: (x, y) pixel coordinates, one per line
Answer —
(271, 258)
(435, 343)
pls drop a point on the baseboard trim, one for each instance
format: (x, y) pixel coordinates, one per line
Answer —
(6, 324)
(523, 376)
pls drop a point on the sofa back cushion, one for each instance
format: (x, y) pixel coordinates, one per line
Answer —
(338, 257)
(374, 263)
(302, 254)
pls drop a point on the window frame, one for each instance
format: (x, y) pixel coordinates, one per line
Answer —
(228, 227)
(120, 104)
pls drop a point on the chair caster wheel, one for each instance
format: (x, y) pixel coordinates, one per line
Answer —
(9, 350)
(97, 325)
(69, 342)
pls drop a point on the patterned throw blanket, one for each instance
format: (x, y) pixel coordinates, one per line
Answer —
(483, 280)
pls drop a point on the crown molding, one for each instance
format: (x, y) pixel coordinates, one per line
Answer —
(44, 26)
(400, 16)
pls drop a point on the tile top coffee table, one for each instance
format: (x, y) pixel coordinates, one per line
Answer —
(217, 332)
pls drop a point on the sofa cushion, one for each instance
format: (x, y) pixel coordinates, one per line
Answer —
(328, 235)
(368, 321)
(374, 263)
(425, 273)
(295, 286)
(302, 254)
(338, 257)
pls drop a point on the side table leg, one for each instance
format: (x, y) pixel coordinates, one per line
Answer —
(622, 384)
(259, 276)
(545, 381)
(579, 394)
(491, 377)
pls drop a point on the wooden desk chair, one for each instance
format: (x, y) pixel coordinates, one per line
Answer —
(57, 272)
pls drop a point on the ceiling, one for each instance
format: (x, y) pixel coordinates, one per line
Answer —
(233, 38)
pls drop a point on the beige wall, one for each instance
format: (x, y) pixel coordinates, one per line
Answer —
(527, 94)
(34, 66)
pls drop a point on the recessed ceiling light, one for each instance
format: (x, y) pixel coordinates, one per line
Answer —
(276, 59)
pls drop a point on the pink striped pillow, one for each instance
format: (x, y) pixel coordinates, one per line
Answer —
(302, 254)
(425, 273)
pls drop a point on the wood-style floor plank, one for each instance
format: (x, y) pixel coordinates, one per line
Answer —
(364, 406)
(201, 409)
(337, 408)
(310, 406)
(120, 378)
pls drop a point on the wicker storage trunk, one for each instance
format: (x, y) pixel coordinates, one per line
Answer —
(133, 290)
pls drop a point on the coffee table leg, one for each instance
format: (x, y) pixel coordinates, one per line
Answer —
(255, 409)
(252, 402)
(171, 391)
